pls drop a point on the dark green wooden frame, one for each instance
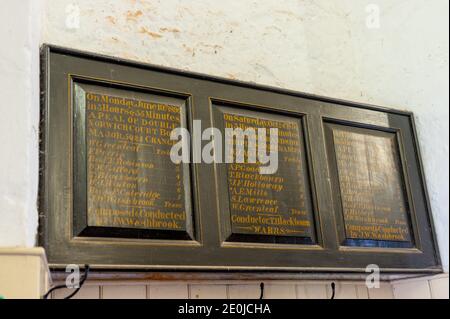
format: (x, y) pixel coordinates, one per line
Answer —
(61, 66)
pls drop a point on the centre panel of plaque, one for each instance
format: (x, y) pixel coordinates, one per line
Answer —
(371, 185)
(132, 188)
(275, 207)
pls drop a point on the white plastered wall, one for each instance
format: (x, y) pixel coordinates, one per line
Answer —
(19, 121)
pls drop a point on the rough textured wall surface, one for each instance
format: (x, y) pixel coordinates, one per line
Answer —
(19, 121)
(390, 53)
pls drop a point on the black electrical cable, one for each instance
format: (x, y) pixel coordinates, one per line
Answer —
(82, 281)
(333, 290)
(262, 291)
(86, 274)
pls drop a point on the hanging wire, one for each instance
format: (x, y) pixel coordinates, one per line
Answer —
(333, 290)
(262, 291)
(82, 281)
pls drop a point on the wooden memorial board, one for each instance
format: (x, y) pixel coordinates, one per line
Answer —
(348, 190)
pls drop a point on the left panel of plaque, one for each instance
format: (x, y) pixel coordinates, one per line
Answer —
(125, 183)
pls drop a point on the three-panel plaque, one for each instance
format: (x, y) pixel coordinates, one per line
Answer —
(336, 187)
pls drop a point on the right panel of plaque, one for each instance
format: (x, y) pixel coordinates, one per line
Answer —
(274, 206)
(369, 187)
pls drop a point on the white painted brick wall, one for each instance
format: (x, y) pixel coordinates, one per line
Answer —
(418, 288)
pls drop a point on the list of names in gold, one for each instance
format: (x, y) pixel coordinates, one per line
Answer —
(372, 192)
(132, 183)
(277, 204)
